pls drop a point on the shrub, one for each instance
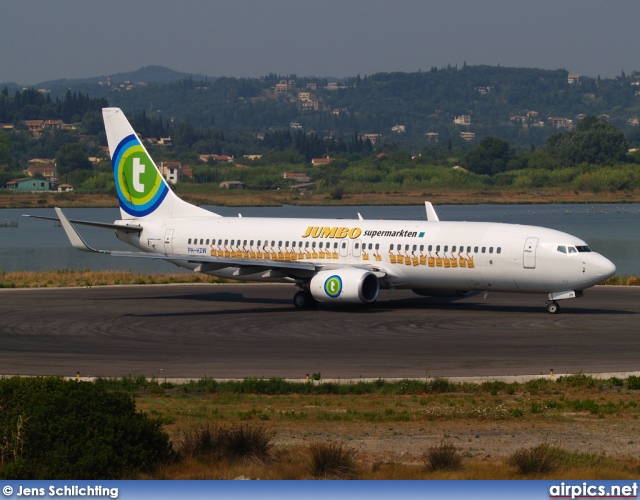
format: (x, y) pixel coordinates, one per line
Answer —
(226, 443)
(336, 193)
(444, 456)
(633, 382)
(244, 441)
(332, 460)
(199, 441)
(75, 430)
(537, 460)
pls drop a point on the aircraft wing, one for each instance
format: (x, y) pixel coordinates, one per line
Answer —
(205, 262)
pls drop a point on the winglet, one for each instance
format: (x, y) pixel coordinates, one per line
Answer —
(432, 216)
(74, 237)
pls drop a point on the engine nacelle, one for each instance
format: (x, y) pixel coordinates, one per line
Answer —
(428, 292)
(349, 285)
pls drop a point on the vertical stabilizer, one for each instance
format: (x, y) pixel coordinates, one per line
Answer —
(142, 191)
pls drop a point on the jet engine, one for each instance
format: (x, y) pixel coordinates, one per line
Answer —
(349, 285)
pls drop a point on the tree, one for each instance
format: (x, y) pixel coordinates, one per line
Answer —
(594, 141)
(5, 149)
(490, 157)
(72, 157)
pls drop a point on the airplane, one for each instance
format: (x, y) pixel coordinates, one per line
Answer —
(336, 261)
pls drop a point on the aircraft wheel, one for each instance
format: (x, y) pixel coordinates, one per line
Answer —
(553, 307)
(304, 300)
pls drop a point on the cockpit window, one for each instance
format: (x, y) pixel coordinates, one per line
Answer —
(572, 250)
(562, 249)
(584, 248)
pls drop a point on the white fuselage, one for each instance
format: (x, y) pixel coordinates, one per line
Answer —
(410, 254)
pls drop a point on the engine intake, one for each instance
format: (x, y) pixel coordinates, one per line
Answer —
(349, 285)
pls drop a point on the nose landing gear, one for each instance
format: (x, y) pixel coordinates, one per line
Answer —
(553, 307)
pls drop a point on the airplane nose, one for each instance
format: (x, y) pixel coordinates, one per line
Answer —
(603, 267)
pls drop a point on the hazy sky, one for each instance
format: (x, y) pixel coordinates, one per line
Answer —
(45, 40)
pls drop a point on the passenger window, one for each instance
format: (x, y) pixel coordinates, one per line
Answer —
(273, 243)
(490, 249)
(468, 249)
(453, 249)
(306, 244)
(430, 247)
(207, 242)
(293, 244)
(344, 245)
(357, 245)
(475, 249)
(499, 250)
(313, 245)
(415, 247)
(377, 246)
(446, 248)
(335, 245)
(437, 248)
(320, 245)
(201, 241)
(189, 241)
(484, 249)
(226, 242)
(406, 247)
(421, 248)
(391, 246)
(286, 244)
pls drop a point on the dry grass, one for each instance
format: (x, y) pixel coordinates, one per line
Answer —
(624, 281)
(285, 197)
(84, 278)
(487, 423)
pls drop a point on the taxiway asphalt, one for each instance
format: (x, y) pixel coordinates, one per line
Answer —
(237, 331)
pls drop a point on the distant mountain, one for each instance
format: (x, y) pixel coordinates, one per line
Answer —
(148, 74)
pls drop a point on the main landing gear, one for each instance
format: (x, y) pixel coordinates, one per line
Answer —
(304, 300)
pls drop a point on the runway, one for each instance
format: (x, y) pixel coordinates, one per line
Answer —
(237, 331)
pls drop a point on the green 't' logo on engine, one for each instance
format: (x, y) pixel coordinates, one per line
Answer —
(333, 286)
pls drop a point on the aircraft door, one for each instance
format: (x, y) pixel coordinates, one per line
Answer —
(529, 254)
(168, 241)
(357, 244)
(344, 248)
